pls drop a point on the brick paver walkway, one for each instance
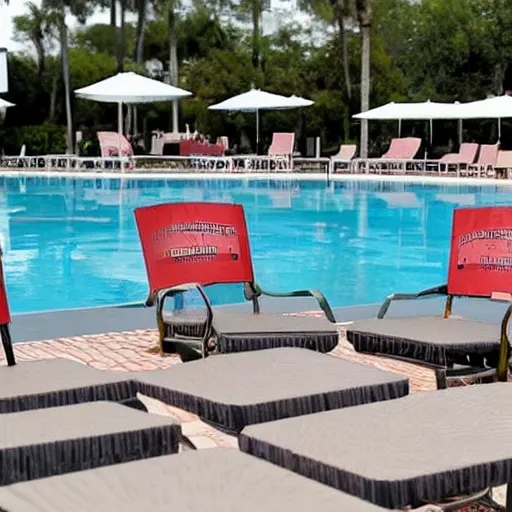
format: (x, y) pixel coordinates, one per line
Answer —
(134, 351)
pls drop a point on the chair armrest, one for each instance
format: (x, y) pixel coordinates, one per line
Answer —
(317, 294)
(504, 346)
(438, 290)
(161, 295)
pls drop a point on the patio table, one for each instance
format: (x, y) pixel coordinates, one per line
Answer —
(425, 447)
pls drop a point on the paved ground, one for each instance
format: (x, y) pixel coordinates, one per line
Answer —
(134, 351)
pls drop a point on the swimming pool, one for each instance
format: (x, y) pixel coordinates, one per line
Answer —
(72, 242)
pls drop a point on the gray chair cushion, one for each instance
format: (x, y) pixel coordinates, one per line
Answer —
(54, 382)
(240, 389)
(37, 444)
(433, 340)
(216, 480)
(240, 331)
(426, 446)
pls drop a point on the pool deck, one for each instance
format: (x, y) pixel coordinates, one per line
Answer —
(124, 338)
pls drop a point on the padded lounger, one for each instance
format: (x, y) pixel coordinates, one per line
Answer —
(37, 444)
(241, 389)
(239, 332)
(433, 340)
(55, 382)
(424, 447)
(205, 481)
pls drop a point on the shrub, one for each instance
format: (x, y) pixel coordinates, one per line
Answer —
(43, 139)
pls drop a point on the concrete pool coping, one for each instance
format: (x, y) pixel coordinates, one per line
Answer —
(111, 319)
(281, 176)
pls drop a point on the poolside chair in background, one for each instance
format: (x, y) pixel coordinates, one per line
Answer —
(480, 267)
(188, 246)
(503, 164)
(461, 160)
(400, 153)
(281, 149)
(486, 161)
(343, 158)
(115, 146)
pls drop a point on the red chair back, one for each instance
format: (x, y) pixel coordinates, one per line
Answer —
(481, 252)
(205, 243)
(5, 314)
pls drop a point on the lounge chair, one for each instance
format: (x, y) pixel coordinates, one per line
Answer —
(503, 164)
(54, 382)
(115, 147)
(280, 150)
(188, 246)
(400, 153)
(456, 347)
(232, 481)
(235, 390)
(419, 449)
(343, 157)
(486, 161)
(461, 160)
(41, 443)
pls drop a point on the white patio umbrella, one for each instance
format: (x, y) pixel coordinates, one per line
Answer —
(5, 104)
(256, 100)
(497, 107)
(130, 88)
(300, 102)
(423, 111)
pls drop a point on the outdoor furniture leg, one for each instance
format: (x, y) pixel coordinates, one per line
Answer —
(7, 344)
(508, 506)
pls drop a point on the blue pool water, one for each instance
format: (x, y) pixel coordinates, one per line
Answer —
(72, 243)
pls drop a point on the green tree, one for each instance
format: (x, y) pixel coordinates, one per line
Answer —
(35, 28)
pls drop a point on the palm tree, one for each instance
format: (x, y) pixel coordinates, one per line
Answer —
(34, 27)
(173, 58)
(168, 9)
(141, 6)
(336, 12)
(57, 9)
(255, 8)
(364, 18)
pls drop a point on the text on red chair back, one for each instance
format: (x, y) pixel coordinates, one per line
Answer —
(205, 243)
(481, 252)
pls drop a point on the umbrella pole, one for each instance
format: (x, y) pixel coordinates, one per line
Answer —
(119, 127)
(499, 129)
(120, 119)
(460, 132)
(399, 128)
(257, 131)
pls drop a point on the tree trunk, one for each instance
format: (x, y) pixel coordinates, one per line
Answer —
(365, 87)
(344, 48)
(53, 98)
(121, 40)
(113, 13)
(173, 63)
(141, 25)
(364, 16)
(67, 91)
(41, 58)
(256, 33)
